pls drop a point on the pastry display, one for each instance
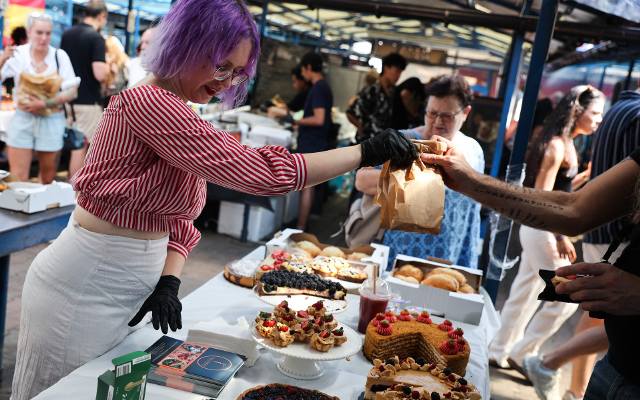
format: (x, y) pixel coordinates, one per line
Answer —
(284, 327)
(322, 341)
(332, 251)
(410, 270)
(443, 278)
(298, 260)
(416, 335)
(283, 392)
(442, 281)
(409, 279)
(449, 271)
(409, 378)
(352, 274)
(357, 256)
(291, 283)
(241, 272)
(329, 266)
(309, 247)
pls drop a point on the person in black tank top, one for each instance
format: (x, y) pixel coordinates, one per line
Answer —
(551, 165)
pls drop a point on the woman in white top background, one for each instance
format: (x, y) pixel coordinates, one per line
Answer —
(39, 122)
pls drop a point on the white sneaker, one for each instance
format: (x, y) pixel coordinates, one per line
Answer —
(570, 396)
(545, 381)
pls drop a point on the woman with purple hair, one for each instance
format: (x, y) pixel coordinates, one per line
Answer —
(143, 184)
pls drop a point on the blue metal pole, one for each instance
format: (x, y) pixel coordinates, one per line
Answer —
(263, 19)
(128, 30)
(627, 81)
(501, 237)
(544, 31)
(69, 13)
(604, 74)
(512, 67)
(510, 87)
(4, 290)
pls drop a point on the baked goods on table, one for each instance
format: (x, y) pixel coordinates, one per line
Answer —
(309, 247)
(332, 251)
(283, 392)
(291, 283)
(443, 278)
(325, 266)
(284, 326)
(357, 256)
(328, 266)
(416, 335)
(409, 378)
(351, 274)
(442, 281)
(241, 272)
(410, 270)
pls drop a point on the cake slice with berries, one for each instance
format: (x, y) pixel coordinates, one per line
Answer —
(292, 283)
(416, 335)
(409, 378)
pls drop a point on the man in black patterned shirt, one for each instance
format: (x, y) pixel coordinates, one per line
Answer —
(371, 112)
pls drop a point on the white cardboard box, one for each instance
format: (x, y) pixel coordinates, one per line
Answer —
(379, 256)
(30, 197)
(460, 307)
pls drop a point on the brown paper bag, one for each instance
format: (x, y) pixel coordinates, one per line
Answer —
(412, 199)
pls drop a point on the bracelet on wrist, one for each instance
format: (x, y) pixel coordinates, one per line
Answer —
(559, 237)
(50, 103)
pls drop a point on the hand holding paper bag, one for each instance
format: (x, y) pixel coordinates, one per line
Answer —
(412, 199)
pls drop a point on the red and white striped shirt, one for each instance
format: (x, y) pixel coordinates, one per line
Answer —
(150, 158)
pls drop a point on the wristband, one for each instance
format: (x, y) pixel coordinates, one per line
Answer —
(50, 103)
(559, 237)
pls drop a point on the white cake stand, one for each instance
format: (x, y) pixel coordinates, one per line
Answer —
(301, 361)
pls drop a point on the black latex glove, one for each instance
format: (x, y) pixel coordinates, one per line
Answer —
(164, 305)
(388, 145)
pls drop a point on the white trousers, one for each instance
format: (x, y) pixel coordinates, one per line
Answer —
(513, 341)
(78, 296)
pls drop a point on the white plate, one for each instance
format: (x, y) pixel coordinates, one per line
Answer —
(3, 174)
(298, 302)
(306, 352)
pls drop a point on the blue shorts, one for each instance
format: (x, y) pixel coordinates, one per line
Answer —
(28, 131)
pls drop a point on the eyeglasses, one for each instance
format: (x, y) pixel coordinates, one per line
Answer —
(445, 116)
(223, 73)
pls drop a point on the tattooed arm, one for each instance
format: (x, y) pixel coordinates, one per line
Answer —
(606, 198)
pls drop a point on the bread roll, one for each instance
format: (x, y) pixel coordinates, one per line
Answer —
(356, 256)
(451, 272)
(410, 270)
(296, 251)
(332, 251)
(309, 247)
(466, 288)
(408, 278)
(442, 281)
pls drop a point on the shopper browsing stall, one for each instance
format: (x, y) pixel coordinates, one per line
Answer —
(552, 164)
(40, 72)
(143, 184)
(447, 108)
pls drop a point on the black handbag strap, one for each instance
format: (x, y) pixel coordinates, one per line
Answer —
(64, 107)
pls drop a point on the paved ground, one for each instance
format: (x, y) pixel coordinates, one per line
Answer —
(213, 252)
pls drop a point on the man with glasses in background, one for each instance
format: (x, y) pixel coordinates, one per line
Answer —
(448, 106)
(86, 49)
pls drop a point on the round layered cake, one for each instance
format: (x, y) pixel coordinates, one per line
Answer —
(416, 335)
(396, 379)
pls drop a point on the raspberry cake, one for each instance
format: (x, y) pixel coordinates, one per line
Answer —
(416, 335)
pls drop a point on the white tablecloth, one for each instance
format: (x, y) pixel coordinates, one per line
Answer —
(217, 297)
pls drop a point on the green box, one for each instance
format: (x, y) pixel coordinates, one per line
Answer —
(128, 380)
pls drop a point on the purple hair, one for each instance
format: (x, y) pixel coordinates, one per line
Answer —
(197, 31)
